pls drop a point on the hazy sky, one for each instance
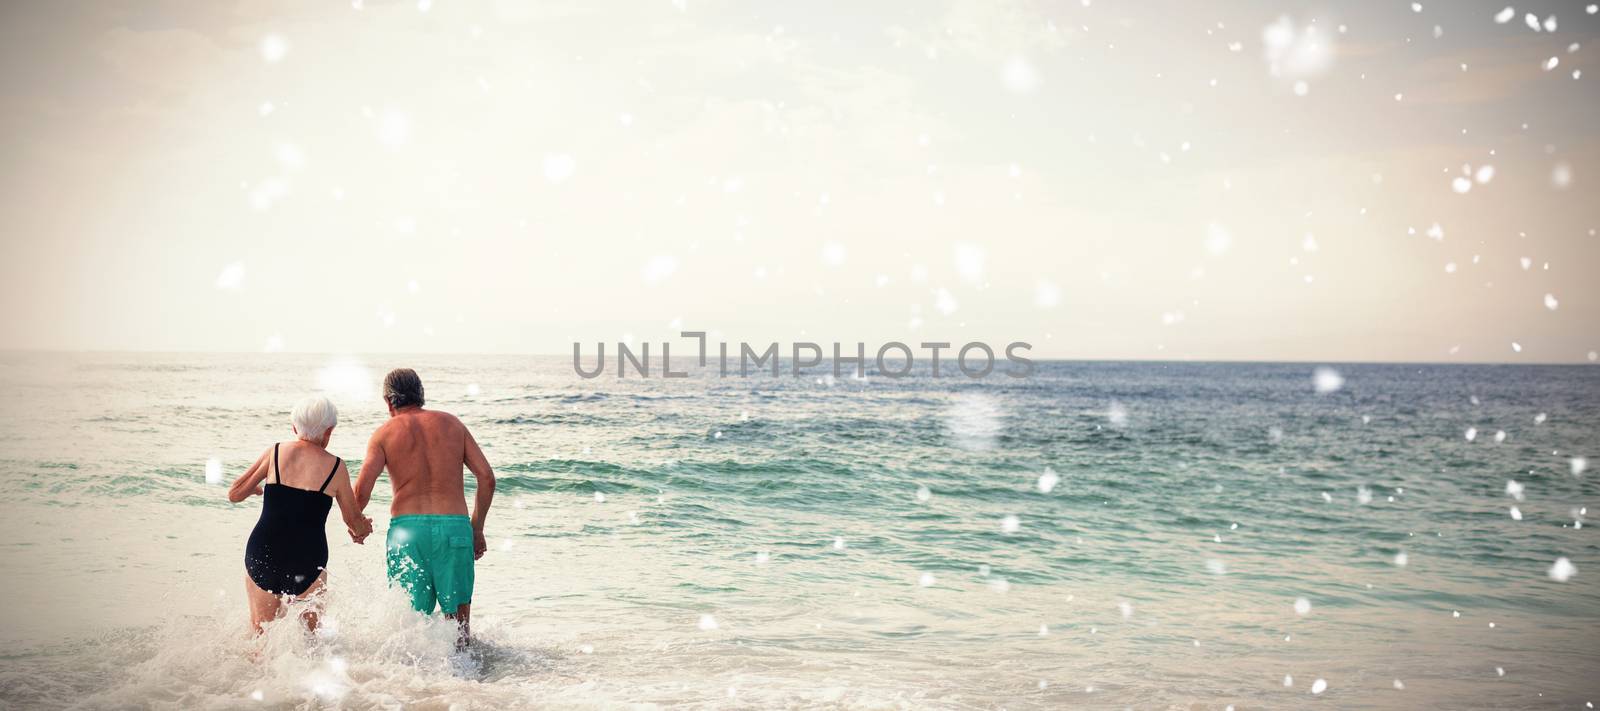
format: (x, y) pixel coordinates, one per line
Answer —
(1239, 180)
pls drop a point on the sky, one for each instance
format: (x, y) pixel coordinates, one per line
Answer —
(1350, 181)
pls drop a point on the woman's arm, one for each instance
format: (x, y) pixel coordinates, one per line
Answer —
(359, 526)
(249, 483)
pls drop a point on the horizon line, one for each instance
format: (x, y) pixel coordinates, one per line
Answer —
(1257, 361)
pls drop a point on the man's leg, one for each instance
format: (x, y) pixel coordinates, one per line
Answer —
(463, 618)
(408, 564)
(454, 573)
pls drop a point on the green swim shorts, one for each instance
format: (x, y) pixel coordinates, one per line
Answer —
(430, 557)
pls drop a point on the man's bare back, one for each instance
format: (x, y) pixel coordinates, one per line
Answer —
(425, 451)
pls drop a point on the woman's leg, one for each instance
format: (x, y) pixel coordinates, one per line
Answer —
(313, 611)
(264, 606)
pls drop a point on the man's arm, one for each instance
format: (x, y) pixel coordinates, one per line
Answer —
(479, 465)
(371, 466)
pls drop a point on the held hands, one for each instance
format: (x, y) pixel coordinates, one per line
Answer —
(361, 530)
(479, 545)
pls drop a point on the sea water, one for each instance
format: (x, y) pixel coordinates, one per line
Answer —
(1150, 535)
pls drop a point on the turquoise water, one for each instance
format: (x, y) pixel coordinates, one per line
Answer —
(812, 542)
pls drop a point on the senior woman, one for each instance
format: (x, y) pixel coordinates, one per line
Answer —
(288, 550)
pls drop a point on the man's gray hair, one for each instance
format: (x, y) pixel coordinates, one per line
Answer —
(313, 417)
(402, 388)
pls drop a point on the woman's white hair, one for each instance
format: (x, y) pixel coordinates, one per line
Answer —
(313, 417)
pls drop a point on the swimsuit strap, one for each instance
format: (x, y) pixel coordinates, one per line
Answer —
(275, 463)
(325, 482)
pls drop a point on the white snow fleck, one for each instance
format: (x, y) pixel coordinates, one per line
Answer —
(1117, 414)
(1295, 52)
(833, 254)
(394, 129)
(1514, 489)
(1010, 524)
(274, 48)
(1562, 570)
(1321, 685)
(1218, 239)
(1046, 295)
(1504, 16)
(1561, 176)
(1048, 480)
(1401, 559)
(973, 421)
(969, 260)
(213, 471)
(1302, 606)
(926, 580)
(658, 268)
(1550, 302)
(1326, 380)
(1018, 75)
(559, 167)
(924, 493)
(707, 622)
(1461, 185)
(1579, 464)
(231, 277)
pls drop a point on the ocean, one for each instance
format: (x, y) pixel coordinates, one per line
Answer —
(1101, 535)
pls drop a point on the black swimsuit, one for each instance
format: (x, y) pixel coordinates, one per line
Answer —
(289, 546)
